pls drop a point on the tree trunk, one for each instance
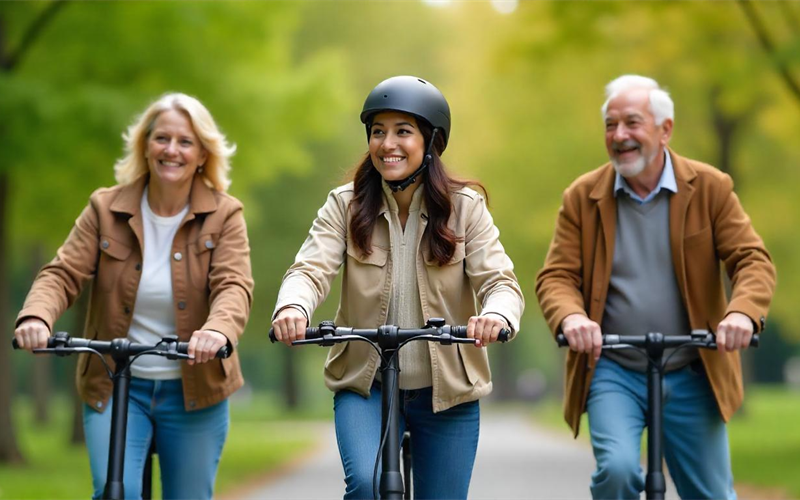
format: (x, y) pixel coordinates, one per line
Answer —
(291, 394)
(9, 451)
(503, 374)
(42, 365)
(79, 309)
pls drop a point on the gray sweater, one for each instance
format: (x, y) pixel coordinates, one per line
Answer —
(643, 294)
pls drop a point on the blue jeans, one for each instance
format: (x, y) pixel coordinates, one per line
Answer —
(695, 437)
(189, 444)
(444, 444)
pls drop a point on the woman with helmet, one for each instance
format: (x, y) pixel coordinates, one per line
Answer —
(415, 243)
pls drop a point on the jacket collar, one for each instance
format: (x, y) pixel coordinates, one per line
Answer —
(201, 197)
(684, 175)
(387, 192)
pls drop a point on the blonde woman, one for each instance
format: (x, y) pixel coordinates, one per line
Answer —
(166, 251)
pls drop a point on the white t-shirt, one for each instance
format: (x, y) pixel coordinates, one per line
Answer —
(153, 312)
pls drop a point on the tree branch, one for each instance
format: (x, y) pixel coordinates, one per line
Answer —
(769, 46)
(9, 62)
(790, 16)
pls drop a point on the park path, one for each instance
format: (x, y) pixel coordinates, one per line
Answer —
(517, 459)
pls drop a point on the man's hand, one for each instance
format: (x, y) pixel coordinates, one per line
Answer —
(583, 334)
(734, 332)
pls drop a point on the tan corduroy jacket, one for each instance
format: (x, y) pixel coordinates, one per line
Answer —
(479, 270)
(211, 281)
(708, 228)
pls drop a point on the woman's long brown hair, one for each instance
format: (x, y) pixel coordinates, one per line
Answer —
(438, 186)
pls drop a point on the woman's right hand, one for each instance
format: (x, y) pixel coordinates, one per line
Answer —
(32, 334)
(289, 325)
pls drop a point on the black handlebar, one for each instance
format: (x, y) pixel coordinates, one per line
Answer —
(62, 344)
(435, 331)
(698, 338)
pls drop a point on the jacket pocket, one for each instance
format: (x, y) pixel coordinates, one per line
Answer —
(458, 255)
(113, 257)
(200, 259)
(704, 236)
(469, 366)
(83, 358)
(336, 364)
(378, 257)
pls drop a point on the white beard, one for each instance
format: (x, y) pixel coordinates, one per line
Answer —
(630, 169)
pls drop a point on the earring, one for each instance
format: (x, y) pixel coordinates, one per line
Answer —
(200, 169)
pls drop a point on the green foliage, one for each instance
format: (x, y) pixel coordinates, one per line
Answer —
(765, 440)
(285, 81)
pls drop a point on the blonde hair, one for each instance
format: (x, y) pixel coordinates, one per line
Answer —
(215, 171)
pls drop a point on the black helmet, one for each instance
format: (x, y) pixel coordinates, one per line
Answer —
(411, 95)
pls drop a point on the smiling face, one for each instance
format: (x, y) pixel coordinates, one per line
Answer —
(396, 145)
(633, 140)
(174, 151)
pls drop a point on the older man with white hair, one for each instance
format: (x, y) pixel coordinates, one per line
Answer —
(637, 248)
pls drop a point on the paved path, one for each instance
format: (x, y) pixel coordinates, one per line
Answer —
(516, 460)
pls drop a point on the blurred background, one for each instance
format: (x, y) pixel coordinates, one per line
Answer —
(286, 81)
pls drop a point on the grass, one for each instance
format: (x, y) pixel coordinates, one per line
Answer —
(764, 438)
(257, 443)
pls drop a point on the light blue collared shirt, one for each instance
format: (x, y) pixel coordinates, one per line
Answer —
(667, 181)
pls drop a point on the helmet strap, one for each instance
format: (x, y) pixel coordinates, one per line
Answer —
(401, 185)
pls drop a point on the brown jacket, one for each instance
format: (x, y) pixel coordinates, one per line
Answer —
(211, 280)
(479, 269)
(707, 225)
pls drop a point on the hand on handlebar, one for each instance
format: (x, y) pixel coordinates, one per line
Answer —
(32, 334)
(734, 332)
(204, 344)
(583, 335)
(485, 329)
(290, 325)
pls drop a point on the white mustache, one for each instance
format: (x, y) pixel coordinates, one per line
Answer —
(628, 144)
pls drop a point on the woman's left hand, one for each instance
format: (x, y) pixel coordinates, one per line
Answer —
(485, 329)
(204, 345)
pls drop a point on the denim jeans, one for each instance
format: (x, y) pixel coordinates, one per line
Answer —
(695, 437)
(443, 444)
(189, 444)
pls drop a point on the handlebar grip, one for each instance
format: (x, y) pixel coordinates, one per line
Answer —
(223, 353)
(14, 343)
(461, 332)
(755, 340)
(504, 334)
(561, 340)
(311, 333)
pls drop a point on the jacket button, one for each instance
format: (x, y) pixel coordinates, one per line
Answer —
(138, 267)
(127, 310)
(99, 404)
(105, 244)
(209, 244)
(178, 256)
(181, 305)
(192, 404)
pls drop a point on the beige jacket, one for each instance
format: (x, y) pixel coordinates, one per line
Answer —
(708, 227)
(479, 278)
(211, 281)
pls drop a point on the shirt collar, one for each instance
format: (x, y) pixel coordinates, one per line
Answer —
(667, 181)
